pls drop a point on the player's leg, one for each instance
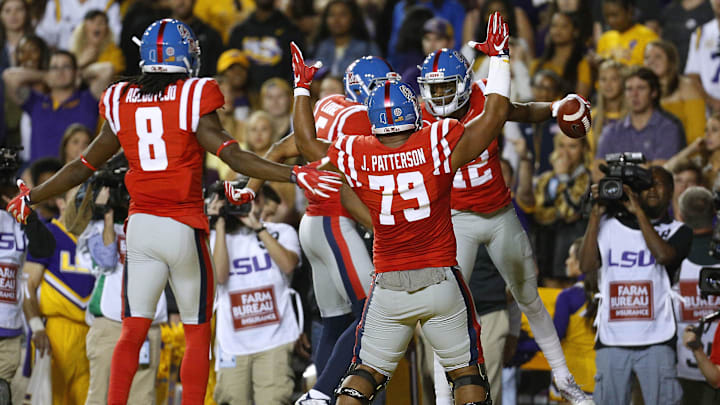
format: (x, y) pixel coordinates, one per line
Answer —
(454, 333)
(511, 252)
(142, 390)
(341, 269)
(187, 254)
(144, 279)
(469, 231)
(386, 326)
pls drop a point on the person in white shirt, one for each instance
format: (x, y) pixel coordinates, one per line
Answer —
(636, 251)
(703, 62)
(256, 325)
(62, 16)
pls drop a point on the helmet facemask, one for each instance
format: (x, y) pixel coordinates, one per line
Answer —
(445, 94)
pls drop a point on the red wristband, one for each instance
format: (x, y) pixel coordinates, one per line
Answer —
(86, 163)
(224, 145)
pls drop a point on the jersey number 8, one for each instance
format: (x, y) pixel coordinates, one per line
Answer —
(151, 147)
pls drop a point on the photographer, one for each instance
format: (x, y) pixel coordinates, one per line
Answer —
(15, 241)
(697, 210)
(256, 325)
(102, 249)
(636, 251)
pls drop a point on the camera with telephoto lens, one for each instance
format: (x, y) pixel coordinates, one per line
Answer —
(623, 168)
(709, 284)
(112, 176)
(9, 165)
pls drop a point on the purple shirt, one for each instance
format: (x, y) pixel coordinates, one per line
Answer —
(49, 124)
(661, 138)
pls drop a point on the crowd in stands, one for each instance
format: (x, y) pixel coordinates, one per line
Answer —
(649, 67)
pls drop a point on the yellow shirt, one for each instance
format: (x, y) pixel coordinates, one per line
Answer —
(626, 47)
(692, 115)
(114, 55)
(222, 14)
(548, 296)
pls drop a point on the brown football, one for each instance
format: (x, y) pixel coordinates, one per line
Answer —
(574, 118)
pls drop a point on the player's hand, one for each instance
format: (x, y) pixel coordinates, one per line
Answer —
(556, 104)
(321, 183)
(19, 206)
(498, 37)
(41, 341)
(238, 196)
(302, 73)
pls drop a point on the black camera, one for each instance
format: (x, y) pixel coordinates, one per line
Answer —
(229, 209)
(112, 176)
(709, 284)
(623, 168)
(9, 164)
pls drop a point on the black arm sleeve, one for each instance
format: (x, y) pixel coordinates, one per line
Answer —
(681, 242)
(41, 242)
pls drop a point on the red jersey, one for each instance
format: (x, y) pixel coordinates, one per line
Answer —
(407, 190)
(157, 133)
(335, 115)
(479, 186)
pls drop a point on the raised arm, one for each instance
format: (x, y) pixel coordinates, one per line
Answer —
(483, 129)
(17, 80)
(530, 112)
(303, 121)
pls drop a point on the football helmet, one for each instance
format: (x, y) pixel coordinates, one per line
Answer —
(169, 46)
(445, 81)
(393, 107)
(364, 74)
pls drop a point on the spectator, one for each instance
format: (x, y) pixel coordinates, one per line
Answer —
(698, 212)
(342, 36)
(480, 31)
(539, 137)
(59, 290)
(138, 17)
(408, 51)
(39, 171)
(625, 41)
(233, 67)
(522, 30)
(14, 23)
(76, 138)
(685, 175)
(642, 249)
(92, 45)
(610, 104)
(50, 114)
(32, 53)
(679, 19)
(450, 10)
(254, 261)
(558, 198)
(704, 152)
(330, 85)
(565, 54)
(276, 98)
(62, 16)
(702, 65)
(679, 96)
(437, 34)
(646, 128)
(223, 15)
(211, 44)
(265, 37)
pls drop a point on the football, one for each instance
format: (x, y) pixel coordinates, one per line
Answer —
(573, 117)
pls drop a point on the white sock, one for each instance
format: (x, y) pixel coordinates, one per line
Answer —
(546, 336)
(315, 394)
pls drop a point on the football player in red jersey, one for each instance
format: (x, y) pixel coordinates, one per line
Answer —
(482, 209)
(341, 265)
(165, 121)
(404, 175)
